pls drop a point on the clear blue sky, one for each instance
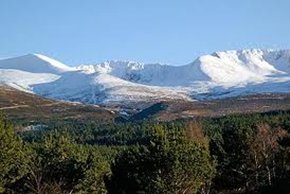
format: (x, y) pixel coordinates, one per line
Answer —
(166, 31)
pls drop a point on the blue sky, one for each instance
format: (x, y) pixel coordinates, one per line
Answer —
(167, 31)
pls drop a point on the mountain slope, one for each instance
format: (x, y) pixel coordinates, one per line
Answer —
(23, 80)
(35, 63)
(25, 108)
(246, 66)
(148, 74)
(259, 103)
(219, 75)
(104, 89)
(223, 68)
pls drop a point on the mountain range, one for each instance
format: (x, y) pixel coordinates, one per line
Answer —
(218, 75)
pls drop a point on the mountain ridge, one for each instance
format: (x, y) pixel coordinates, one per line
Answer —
(34, 63)
(218, 75)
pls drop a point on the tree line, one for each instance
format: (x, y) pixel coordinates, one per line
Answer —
(247, 153)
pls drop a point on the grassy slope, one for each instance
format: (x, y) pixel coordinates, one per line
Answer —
(24, 107)
(216, 108)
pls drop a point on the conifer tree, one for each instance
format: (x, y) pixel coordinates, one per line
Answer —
(13, 157)
(172, 163)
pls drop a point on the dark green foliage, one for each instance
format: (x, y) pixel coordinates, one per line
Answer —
(75, 157)
(60, 163)
(171, 163)
(148, 112)
(14, 157)
(242, 164)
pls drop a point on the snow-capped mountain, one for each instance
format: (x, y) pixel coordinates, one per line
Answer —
(220, 74)
(35, 63)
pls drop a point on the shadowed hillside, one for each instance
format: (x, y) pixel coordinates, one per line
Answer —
(215, 108)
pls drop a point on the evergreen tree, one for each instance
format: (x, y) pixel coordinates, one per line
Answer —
(62, 166)
(14, 158)
(172, 163)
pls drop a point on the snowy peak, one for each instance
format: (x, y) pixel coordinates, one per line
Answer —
(220, 74)
(244, 66)
(227, 68)
(35, 63)
(111, 67)
(147, 74)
